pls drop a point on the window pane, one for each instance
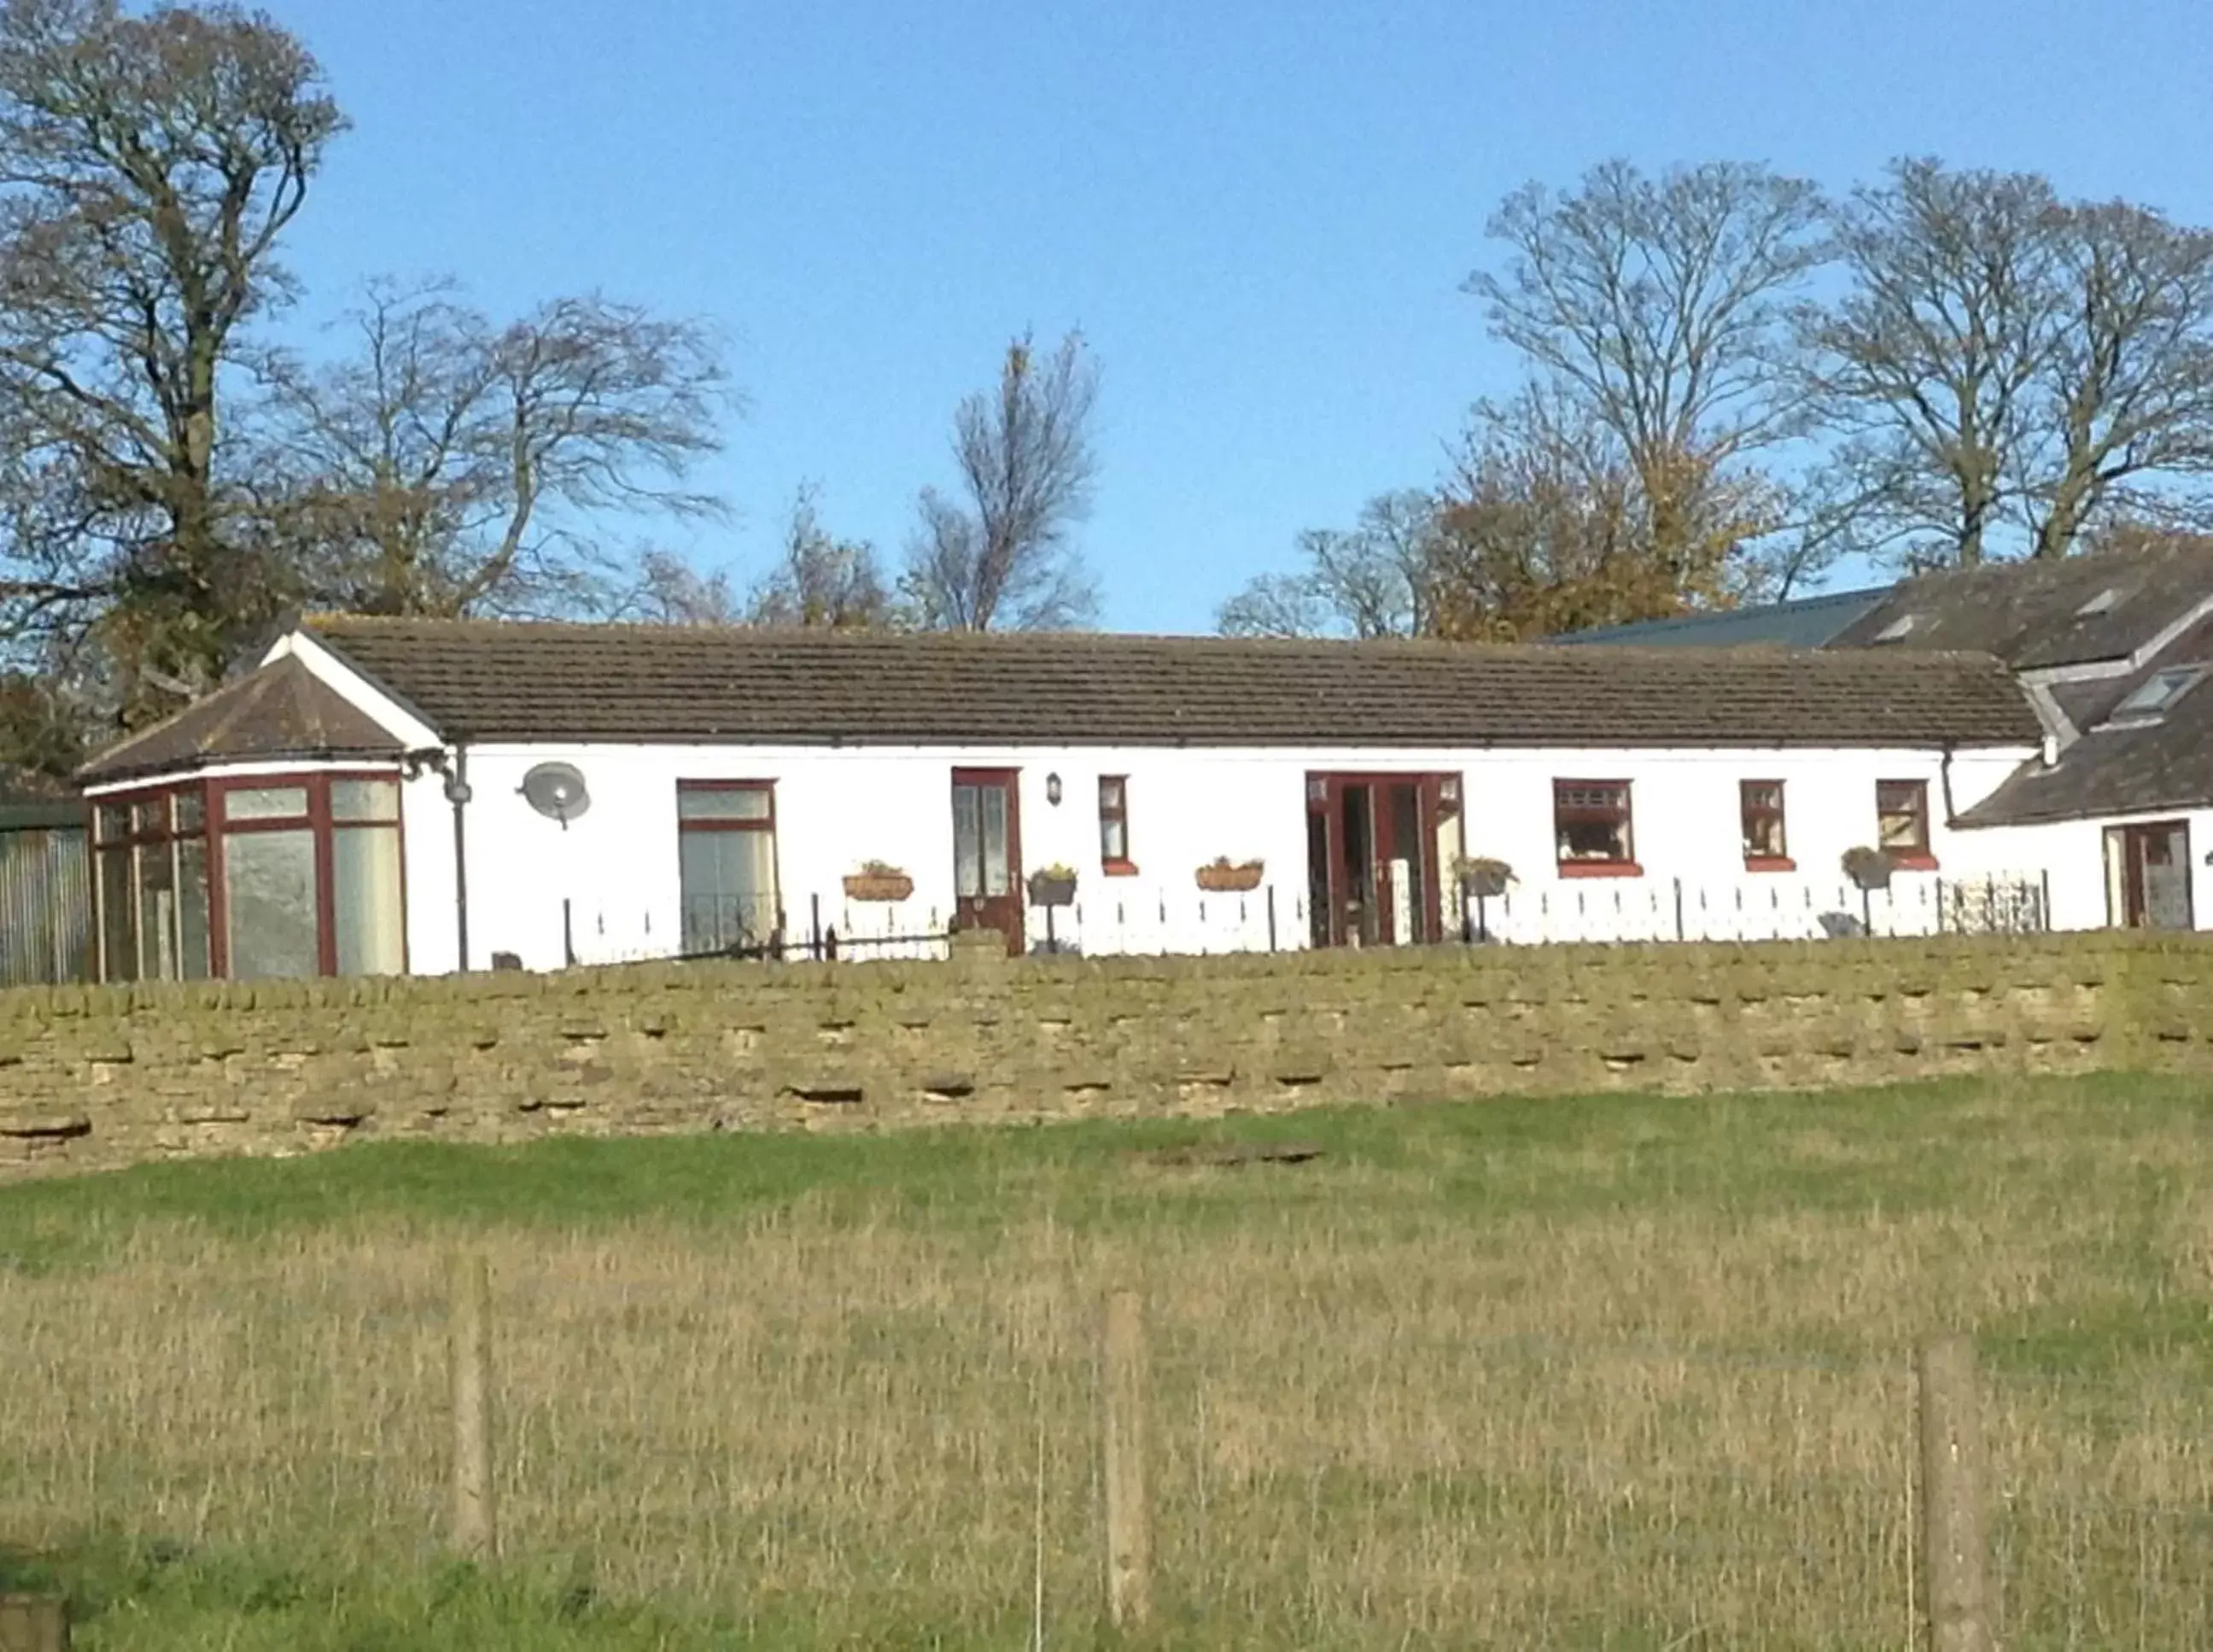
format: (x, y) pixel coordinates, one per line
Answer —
(111, 821)
(1593, 840)
(722, 803)
(157, 914)
(1110, 794)
(265, 803)
(192, 810)
(270, 882)
(994, 802)
(968, 843)
(192, 909)
(118, 907)
(1113, 841)
(728, 882)
(366, 910)
(364, 800)
(1762, 820)
(150, 814)
(1902, 815)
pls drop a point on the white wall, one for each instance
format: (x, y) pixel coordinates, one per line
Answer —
(835, 808)
(2072, 853)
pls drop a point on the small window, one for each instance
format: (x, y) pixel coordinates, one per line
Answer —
(265, 803)
(726, 864)
(1591, 823)
(1898, 630)
(1114, 822)
(2149, 701)
(1760, 808)
(1901, 809)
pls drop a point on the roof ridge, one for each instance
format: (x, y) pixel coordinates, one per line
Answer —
(343, 625)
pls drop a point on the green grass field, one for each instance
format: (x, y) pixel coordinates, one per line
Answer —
(1621, 1373)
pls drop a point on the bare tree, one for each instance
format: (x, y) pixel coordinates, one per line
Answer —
(671, 590)
(998, 555)
(148, 167)
(1661, 309)
(1927, 368)
(2125, 412)
(448, 466)
(1378, 579)
(821, 580)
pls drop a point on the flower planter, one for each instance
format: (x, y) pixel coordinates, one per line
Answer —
(1485, 879)
(1868, 869)
(1224, 879)
(1051, 889)
(878, 886)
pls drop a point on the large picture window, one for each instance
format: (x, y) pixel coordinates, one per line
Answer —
(251, 878)
(726, 862)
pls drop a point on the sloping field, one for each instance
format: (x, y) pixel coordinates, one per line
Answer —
(1623, 1373)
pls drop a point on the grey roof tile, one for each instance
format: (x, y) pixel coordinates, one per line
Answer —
(512, 681)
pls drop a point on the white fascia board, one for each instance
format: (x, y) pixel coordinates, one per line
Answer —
(366, 696)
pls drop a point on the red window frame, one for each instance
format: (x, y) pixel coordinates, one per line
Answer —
(1909, 800)
(212, 790)
(1761, 802)
(1574, 802)
(1114, 812)
(764, 822)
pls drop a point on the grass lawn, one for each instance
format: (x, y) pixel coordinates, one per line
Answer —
(1624, 1373)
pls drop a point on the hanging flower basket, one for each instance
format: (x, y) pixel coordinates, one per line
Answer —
(1225, 877)
(1053, 885)
(1485, 878)
(878, 880)
(1868, 869)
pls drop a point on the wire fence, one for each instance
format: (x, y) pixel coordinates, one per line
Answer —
(946, 1457)
(1118, 918)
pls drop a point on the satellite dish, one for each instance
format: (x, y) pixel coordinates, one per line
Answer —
(556, 791)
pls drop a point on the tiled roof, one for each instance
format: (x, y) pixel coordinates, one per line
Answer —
(516, 682)
(1804, 622)
(282, 710)
(2030, 614)
(2121, 768)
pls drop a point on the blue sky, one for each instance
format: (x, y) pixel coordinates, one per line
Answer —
(1260, 214)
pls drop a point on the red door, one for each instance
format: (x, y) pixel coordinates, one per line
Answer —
(1372, 859)
(987, 853)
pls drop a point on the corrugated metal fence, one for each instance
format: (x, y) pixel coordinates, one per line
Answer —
(45, 896)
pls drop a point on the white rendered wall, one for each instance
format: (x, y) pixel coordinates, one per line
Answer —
(837, 807)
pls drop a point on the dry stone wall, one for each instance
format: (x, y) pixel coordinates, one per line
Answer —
(96, 1077)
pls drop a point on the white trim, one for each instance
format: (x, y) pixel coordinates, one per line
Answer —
(354, 686)
(157, 779)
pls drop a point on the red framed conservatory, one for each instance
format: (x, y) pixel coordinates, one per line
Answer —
(255, 836)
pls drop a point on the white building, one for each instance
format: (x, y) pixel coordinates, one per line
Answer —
(2113, 649)
(381, 795)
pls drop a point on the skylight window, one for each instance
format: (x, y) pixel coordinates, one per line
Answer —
(2148, 700)
(2104, 602)
(1897, 630)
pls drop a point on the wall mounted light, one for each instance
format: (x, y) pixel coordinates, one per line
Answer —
(1052, 789)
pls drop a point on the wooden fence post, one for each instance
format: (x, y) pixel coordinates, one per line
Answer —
(1122, 1435)
(1953, 1550)
(475, 1528)
(34, 1623)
